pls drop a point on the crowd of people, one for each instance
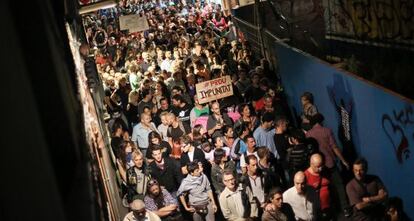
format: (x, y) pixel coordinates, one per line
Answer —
(236, 158)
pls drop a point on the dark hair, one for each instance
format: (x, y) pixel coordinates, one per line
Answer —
(273, 192)
(242, 106)
(279, 120)
(226, 128)
(250, 158)
(164, 98)
(192, 166)
(196, 132)
(316, 119)
(242, 127)
(361, 161)
(267, 117)
(152, 135)
(178, 97)
(178, 88)
(308, 96)
(145, 92)
(115, 127)
(218, 155)
(215, 139)
(164, 89)
(247, 137)
(299, 135)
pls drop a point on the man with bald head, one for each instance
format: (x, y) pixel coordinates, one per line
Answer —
(316, 177)
(139, 213)
(302, 198)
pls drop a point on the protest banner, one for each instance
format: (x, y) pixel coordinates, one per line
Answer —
(133, 23)
(214, 89)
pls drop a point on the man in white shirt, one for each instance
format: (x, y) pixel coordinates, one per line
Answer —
(302, 198)
(235, 201)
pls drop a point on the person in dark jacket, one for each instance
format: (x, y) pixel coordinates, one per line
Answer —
(165, 171)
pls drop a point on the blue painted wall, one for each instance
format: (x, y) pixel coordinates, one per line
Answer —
(381, 122)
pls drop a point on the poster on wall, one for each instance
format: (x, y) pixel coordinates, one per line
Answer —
(376, 22)
(214, 89)
(133, 23)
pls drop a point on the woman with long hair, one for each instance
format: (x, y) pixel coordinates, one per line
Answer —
(247, 117)
(161, 91)
(154, 139)
(198, 134)
(125, 161)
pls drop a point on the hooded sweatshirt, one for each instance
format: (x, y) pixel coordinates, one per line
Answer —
(197, 188)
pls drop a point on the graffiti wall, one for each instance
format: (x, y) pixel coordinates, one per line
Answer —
(382, 22)
(377, 124)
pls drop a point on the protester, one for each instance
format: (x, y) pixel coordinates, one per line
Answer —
(139, 213)
(366, 193)
(200, 196)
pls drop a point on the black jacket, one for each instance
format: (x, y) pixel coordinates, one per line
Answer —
(170, 177)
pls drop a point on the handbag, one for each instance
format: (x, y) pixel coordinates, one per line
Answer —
(201, 209)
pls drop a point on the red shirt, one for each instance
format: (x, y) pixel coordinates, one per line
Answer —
(314, 180)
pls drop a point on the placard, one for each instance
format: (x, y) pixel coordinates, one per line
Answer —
(133, 23)
(214, 89)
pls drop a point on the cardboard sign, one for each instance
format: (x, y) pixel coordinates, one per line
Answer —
(133, 23)
(214, 89)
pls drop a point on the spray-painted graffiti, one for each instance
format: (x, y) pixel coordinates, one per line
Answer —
(397, 127)
(386, 21)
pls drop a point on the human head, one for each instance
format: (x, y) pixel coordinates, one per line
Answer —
(228, 131)
(164, 103)
(145, 118)
(316, 163)
(138, 158)
(138, 209)
(244, 110)
(206, 146)
(297, 136)
(219, 156)
(251, 162)
(154, 137)
(360, 168)
(186, 143)
(250, 142)
(146, 94)
(133, 97)
(193, 168)
(177, 100)
(164, 118)
(215, 108)
(306, 98)
(268, 101)
(300, 182)
(157, 153)
(276, 197)
(281, 123)
(263, 152)
(267, 120)
(316, 119)
(218, 142)
(229, 180)
(153, 188)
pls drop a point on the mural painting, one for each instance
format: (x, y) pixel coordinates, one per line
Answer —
(399, 129)
(380, 21)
